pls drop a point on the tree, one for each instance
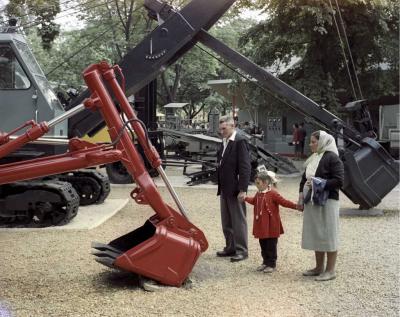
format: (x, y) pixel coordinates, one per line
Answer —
(126, 19)
(39, 14)
(229, 30)
(300, 42)
(186, 81)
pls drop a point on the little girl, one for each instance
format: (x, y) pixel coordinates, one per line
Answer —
(267, 225)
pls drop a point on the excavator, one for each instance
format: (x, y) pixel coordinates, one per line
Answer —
(168, 245)
(26, 96)
(54, 199)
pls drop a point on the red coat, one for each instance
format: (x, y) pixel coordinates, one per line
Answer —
(267, 221)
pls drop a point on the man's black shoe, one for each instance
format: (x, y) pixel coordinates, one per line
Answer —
(225, 253)
(239, 257)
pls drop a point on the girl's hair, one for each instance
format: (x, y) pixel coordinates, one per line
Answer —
(264, 177)
(316, 134)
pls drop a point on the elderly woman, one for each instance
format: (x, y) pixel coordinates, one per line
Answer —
(321, 216)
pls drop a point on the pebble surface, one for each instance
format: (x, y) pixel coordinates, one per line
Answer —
(52, 273)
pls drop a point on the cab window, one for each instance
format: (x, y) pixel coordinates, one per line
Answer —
(12, 76)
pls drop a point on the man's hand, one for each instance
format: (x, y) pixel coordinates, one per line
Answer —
(241, 196)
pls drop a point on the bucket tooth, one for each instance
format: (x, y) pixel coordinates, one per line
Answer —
(106, 261)
(106, 253)
(105, 247)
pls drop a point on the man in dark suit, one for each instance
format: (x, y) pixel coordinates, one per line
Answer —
(233, 178)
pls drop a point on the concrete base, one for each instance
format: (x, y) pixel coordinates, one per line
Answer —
(361, 212)
(88, 217)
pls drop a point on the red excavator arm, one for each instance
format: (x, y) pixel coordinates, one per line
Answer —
(168, 245)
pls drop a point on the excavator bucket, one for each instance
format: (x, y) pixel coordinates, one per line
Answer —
(370, 174)
(152, 250)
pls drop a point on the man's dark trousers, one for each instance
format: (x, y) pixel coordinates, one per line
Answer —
(234, 224)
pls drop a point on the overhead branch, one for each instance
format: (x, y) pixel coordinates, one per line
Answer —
(119, 14)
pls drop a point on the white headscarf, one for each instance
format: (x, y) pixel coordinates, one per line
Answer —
(326, 143)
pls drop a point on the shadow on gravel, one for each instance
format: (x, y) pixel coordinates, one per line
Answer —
(206, 269)
(116, 279)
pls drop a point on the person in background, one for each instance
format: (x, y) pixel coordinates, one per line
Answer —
(267, 225)
(246, 127)
(237, 123)
(295, 141)
(302, 133)
(321, 221)
(233, 173)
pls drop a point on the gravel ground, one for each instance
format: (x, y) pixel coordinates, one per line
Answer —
(53, 274)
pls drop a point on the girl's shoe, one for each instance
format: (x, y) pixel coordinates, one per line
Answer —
(261, 268)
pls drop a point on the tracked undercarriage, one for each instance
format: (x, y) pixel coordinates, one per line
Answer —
(38, 203)
(91, 186)
(53, 201)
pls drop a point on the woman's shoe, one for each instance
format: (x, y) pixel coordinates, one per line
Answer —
(326, 276)
(312, 272)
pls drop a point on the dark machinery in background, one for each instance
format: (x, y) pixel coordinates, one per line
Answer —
(144, 104)
(194, 148)
(378, 119)
(198, 147)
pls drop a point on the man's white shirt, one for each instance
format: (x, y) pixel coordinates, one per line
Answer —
(226, 140)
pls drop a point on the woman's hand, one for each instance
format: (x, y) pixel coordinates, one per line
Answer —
(309, 183)
(300, 202)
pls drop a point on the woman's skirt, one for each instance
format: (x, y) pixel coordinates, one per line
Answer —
(320, 226)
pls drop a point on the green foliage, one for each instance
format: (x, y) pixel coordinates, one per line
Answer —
(127, 21)
(70, 55)
(186, 81)
(229, 31)
(38, 13)
(299, 41)
(106, 35)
